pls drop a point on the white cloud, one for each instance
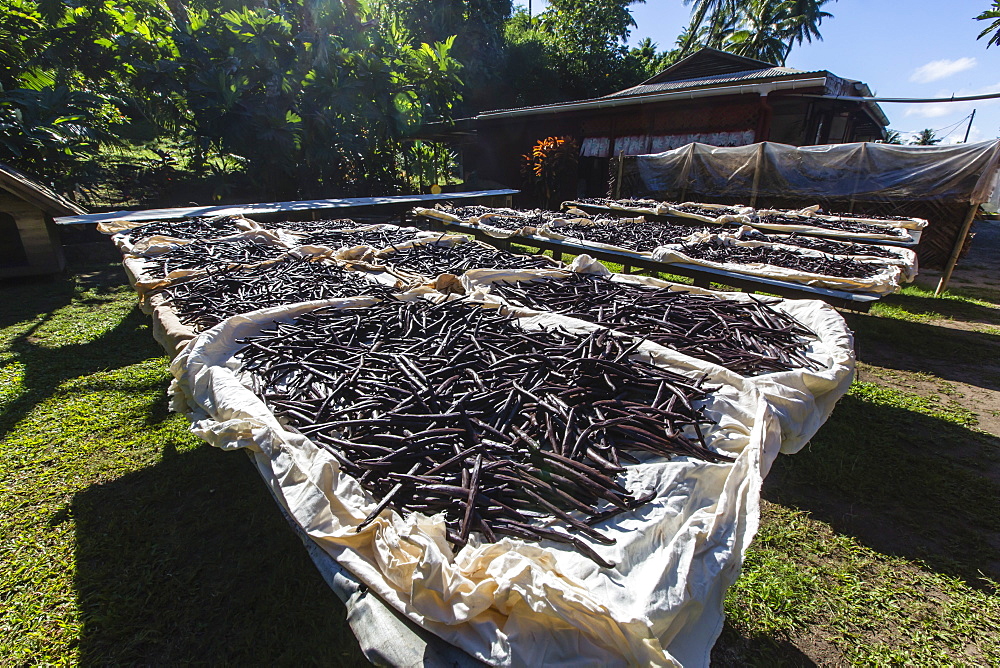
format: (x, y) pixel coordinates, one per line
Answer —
(941, 69)
(936, 110)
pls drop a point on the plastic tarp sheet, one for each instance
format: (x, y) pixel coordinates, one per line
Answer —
(514, 602)
(864, 172)
(802, 399)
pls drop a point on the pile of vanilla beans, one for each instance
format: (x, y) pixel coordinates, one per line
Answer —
(825, 265)
(829, 246)
(825, 223)
(748, 337)
(211, 255)
(313, 225)
(641, 237)
(207, 301)
(337, 238)
(201, 228)
(455, 408)
(505, 219)
(434, 259)
(606, 202)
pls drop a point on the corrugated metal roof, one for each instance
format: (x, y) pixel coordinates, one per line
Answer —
(707, 62)
(734, 77)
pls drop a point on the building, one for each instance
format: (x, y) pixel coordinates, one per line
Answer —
(29, 240)
(711, 97)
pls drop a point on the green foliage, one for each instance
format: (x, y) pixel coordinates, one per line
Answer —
(648, 60)
(761, 29)
(427, 163)
(993, 16)
(925, 138)
(312, 97)
(893, 137)
(54, 129)
(573, 50)
(478, 28)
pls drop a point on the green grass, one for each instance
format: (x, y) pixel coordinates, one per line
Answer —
(918, 304)
(125, 540)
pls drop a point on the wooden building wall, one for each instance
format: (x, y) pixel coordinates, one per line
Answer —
(38, 251)
(494, 157)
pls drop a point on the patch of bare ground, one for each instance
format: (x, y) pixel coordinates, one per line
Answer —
(975, 396)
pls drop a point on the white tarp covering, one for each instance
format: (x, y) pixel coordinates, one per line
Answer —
(862, 172)
(516, 602)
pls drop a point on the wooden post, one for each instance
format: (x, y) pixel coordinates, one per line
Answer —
(957, 250)
(756, 175)
(686, 173)
(618, 181)
(857, 177)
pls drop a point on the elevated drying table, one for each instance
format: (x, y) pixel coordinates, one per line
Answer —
(682, 220)
(394, 203)
(703, 276)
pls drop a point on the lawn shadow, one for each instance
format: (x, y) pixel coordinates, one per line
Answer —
(951, 354)
(45, 368)
(733, 649)
(904, 484)
(27, 298)
(956, 309)
(189, 561)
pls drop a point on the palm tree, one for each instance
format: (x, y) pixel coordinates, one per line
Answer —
(802, 23)
(992, 15)
(764, 29)
(892, 137)
(926, 138)
(761, 34)
(708, 20)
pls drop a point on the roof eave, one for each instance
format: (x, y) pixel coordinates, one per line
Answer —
(23, 186)
(759, 88)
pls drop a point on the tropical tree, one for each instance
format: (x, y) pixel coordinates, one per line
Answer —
(574, 49)
(803, 18)
(307, 96)
(893, 137)
(993, 16)
(711, 23)
(762, 29)
(478, 27)
(761, 32)
(925, 138)
(646, 58)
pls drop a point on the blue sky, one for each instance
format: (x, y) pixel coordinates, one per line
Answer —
(906, 48)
